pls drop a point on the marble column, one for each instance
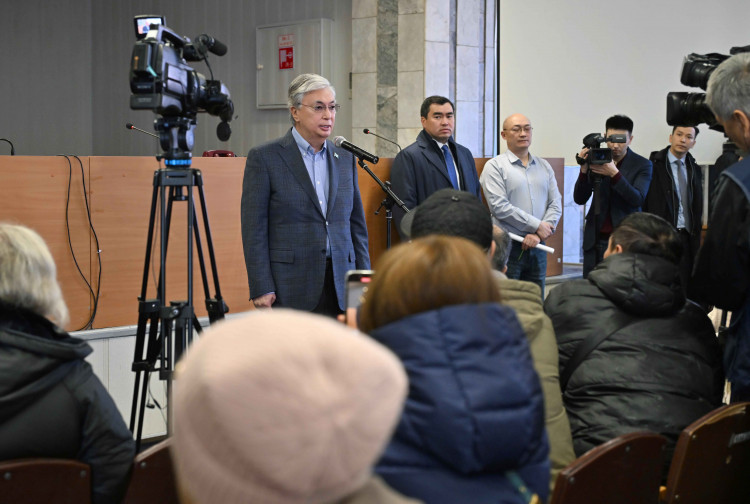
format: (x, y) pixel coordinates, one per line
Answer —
(405, 50)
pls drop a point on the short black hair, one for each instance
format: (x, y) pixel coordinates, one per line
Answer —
(502, 248)
(649, 234)
(695, 128)
(437, 100)
(619, 122)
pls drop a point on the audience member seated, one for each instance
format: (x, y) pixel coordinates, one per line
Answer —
(285, 407)
(473, 425)
(657, 366)
(51, 403)
(525, 298)
(451, 213)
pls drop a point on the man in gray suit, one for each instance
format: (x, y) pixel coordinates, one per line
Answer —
(303, 226)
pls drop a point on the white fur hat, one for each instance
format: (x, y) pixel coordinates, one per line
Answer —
(284, 407)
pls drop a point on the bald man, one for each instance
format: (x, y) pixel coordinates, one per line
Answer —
(522, 194)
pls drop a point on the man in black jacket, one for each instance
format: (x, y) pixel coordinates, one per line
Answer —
(676, 193)
(722, 268)
(653, 361)
(622, 185)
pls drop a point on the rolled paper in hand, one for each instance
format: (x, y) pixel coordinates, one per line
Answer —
(517, 238)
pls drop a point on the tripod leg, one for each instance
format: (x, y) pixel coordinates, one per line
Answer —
(216, 306)
(145, 313)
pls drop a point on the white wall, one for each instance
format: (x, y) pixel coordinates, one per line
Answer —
(570, 65)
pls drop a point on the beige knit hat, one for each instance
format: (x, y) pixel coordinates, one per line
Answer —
(284, 407)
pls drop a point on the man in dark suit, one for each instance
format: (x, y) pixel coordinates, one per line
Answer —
(623, 183)
(676, 193)
(303, 226)
(435, 161)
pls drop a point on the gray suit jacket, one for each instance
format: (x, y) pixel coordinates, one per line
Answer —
(284, 230)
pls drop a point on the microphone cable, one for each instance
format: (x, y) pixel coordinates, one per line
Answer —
(95, 296)
(12, 148)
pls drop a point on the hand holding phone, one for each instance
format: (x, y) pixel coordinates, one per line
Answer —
(357, 282)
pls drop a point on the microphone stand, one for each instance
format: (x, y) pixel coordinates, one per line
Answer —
(388, 202)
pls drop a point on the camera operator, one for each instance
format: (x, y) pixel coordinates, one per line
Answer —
(722, 270)
(623, 184)
(676, 193)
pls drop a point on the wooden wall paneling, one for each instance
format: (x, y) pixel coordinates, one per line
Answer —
(123, 188)
(34, 191)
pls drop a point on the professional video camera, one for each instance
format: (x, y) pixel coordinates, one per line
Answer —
(161, 80)
(690, 109)
(599, 156)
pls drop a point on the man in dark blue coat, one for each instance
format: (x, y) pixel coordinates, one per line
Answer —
(722, 268)
(303, 226)
(435, 161)
(623, 183)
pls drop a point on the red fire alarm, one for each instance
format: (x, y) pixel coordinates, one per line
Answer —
(286, 58)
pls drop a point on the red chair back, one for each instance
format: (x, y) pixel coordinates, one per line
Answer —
(624, 470)
(153, 477)
(36, 480)
(711, 461)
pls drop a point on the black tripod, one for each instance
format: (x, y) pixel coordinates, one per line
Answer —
(176, 317)
(596, 201)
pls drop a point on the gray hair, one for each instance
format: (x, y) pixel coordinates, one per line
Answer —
(502, 248)
(729, 87)
(28, 276)
(303, 84)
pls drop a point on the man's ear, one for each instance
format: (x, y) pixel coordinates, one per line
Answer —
(491, 251)
(744, 121)
(617, 249)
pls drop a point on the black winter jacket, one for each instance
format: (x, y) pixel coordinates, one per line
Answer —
(52, 404)
(722, 269)
(658, 376)
(662, 199)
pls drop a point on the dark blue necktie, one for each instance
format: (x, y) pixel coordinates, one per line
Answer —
(451, 167)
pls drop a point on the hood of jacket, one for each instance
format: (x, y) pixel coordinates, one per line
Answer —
(641, 284)
(475, 402)
(34, 356)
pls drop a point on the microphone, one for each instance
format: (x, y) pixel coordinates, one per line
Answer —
(212, 44)
(12, 149)
(131, 127)
(368, 132)
(341, 142)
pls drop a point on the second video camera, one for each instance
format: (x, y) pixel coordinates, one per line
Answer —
(690, 109)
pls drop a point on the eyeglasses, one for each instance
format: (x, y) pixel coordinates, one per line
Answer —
(518, 129)
(319, 108)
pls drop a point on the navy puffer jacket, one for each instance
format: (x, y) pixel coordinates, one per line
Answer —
(475, 408)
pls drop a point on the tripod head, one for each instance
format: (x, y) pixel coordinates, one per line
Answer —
(176, 137)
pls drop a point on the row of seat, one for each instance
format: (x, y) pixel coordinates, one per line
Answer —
(69, 481)
(710, 465)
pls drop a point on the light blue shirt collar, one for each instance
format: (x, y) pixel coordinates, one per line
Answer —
(304, 145)
(672, 158)
(517, 160)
